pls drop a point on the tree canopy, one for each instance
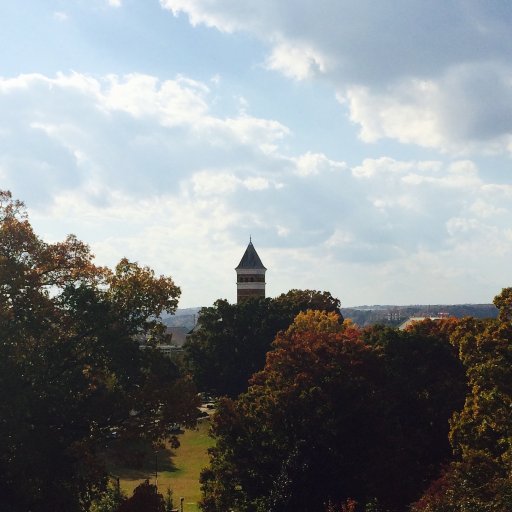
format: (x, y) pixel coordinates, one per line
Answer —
(480, 479)
(337, 414)
(231, 340)
(72, 374)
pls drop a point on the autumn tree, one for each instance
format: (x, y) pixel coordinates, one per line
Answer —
(72, 375)
(232, 340)
(481, 433)
(327, 420)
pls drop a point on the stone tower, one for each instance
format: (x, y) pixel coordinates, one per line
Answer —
(250, 275)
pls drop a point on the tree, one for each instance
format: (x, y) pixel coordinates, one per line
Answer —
(146, 498)
(473, 485)
(481, 433)
(296, 301)
(425, 384)
(72, 375)
(327, 420)
(169, 503)
(233, 339)
(110, 500)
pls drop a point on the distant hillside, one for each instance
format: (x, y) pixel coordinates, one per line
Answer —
(394, 315)
(366, 315)
(186, 317)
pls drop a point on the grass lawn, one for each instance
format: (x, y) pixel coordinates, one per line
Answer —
(178, 469)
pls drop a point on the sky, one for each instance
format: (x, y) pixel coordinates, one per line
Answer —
(365, 146)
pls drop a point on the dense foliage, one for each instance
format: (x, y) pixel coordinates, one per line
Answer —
(480, 480)
(232, 340)
(72, 375)
(337, 415)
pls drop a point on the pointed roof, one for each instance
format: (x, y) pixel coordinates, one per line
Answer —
(250, 259)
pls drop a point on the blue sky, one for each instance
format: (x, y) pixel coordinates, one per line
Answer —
(365, 146)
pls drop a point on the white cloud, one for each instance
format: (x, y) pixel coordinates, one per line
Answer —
(460, 174)
(339, 238)
(207, 184)
(60, 16)
(296, 62)
(385, 165)
(248, 129)
(486, 210)
(174, 102)
(461, 225)
(227, 17)
(115, 3)
(436, 75)
(447, 114)
(311, 164)
(142, 167)
(257, 183)
(76, 124)
(404, 114)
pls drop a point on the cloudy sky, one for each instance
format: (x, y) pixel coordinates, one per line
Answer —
(364, 145)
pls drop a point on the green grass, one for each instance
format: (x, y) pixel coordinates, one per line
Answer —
(178, 469)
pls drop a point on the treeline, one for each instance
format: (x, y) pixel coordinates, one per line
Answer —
(395, 315)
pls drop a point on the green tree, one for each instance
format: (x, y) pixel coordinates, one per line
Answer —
(72, 375)
(425, 383)
(232, 340)
(295, 301)
(110, 500)
(169, 502)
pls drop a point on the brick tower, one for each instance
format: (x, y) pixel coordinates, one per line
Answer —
(250, 275)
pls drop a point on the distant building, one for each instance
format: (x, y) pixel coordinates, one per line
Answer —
(178, 335)
(415, 319)
(250, 275)
(394, 315)
(169, 350)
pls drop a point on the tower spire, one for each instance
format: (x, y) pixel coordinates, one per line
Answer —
(250, 275)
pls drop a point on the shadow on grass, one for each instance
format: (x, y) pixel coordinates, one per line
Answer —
(138, 460)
